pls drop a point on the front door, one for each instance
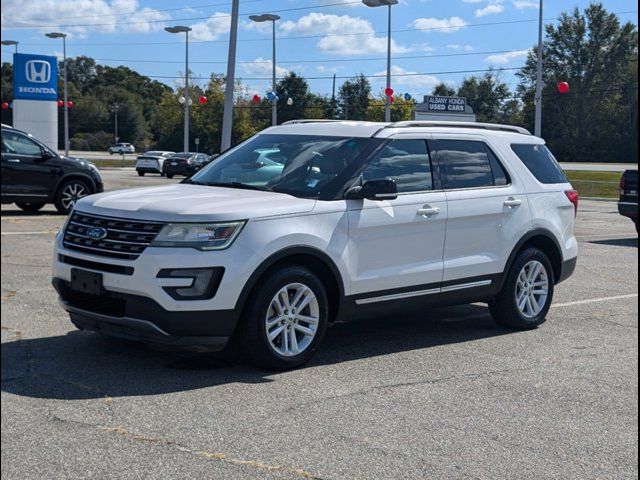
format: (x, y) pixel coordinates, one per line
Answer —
(398, 244)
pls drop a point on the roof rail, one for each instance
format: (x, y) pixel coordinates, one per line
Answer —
(485, 126)
(319, 120)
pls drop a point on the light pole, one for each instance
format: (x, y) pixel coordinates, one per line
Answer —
(227, 116)
(273, 19)
(11, 42)
(538, 98)
(185, 30)
(389, 4)
(115, 109)
(65, 107)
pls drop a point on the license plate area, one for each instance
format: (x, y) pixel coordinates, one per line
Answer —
(86, 282)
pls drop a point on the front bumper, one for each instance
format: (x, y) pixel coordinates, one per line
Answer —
(142, 319)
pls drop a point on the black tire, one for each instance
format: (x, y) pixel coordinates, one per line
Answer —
(140, 174)
(252, 334)
(169, 175)
(61, 201)
(504, 308)
(30, 206)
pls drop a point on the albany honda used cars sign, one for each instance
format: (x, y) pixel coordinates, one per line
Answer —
(35, 77)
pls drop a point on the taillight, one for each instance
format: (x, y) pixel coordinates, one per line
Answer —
(623, 185)
(574, 197)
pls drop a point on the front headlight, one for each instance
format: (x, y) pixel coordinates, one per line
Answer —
(203, 236)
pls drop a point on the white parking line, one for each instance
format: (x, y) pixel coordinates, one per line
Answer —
(47, 232)
(595, 300)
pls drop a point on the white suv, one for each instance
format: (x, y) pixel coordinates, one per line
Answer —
(352, 219)
(121, 148)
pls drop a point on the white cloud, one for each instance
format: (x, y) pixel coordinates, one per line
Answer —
(504, 58)
(524, 4)
(325, 69)
(212, 28)
(444, 25)
(332, 26)
(407, 78)
(82, 17)
(466, 48)
(261, 67)
(490, 9)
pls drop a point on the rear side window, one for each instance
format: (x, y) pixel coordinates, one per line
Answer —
(540, 162)
(404, 161)
(467, 164)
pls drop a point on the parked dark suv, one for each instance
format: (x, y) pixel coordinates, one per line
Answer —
(33, 174)
(185, 163)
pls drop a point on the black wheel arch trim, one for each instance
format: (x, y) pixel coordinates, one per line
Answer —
(292, 251)
(538, 232)
(72, 176)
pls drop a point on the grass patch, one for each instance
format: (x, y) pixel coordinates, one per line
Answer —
(596, 184)
(113, 162)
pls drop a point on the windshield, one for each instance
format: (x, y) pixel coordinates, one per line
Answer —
(300, 165)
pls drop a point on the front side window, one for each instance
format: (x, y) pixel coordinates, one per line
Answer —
(20, 145)
(301, 165)
(404, 161)
(467, 164)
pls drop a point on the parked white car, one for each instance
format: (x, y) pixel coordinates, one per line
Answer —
(152, 162)
(121, 148)
(359, 219)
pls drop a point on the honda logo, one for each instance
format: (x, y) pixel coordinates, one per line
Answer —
(38, 71)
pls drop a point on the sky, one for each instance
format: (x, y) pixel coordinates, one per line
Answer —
(433, 40)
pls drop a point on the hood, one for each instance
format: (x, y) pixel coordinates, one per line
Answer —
(193, 203)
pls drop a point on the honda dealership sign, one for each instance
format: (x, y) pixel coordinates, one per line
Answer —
(35, 77)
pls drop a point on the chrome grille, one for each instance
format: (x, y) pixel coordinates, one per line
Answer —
(126, 238)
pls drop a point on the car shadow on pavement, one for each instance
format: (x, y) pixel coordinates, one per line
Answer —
(618, 242)
(83, 365)
(22, 213)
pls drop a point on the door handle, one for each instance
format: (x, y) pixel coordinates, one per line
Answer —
(427, 211)
(13, 160)
(512, 203)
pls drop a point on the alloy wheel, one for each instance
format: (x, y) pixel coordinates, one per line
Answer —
(532, 289)
(72, 193)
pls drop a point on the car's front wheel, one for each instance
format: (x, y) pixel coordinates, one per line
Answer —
(30, 206)
(285, 319)
(527, 293)
(140, 174)
(69, 193)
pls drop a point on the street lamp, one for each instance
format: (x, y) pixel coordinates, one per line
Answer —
(271, 18)
(185, 30)
(11, 42)
(63, 36)
(538, 99)
(389, 4)
(227, 114)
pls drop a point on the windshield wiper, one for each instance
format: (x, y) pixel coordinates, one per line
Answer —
(238, 185)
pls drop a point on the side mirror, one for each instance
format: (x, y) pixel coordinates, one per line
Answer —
(377, 190)
(46, 154)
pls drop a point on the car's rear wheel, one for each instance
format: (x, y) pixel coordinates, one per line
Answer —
(30, 206)
(527, 294)
(285, 319)
(140, 174)
(69, 193)
(169, 175)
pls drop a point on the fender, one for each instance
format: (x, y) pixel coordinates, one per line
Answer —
(539, 232)
(288, 252)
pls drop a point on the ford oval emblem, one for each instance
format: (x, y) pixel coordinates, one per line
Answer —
(96, 233)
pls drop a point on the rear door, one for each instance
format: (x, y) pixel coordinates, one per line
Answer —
(488, 210)
(398, 244)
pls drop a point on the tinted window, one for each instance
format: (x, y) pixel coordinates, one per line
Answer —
(500, 176)
(540, 162)
(19, 144)
(463, 164)
(406, 162)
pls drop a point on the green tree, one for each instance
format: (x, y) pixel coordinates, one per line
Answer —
(444, 90)
(488, 96)
(353, 98)
(597, 56)
(6, 90)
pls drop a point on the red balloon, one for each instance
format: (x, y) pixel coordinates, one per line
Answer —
(202, 100)
(69, 104)
(388, 92)
(256, 98)
(563, 87)
(5, 105)
(60, 103)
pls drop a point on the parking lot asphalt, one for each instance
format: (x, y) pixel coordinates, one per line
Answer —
(444, 394)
